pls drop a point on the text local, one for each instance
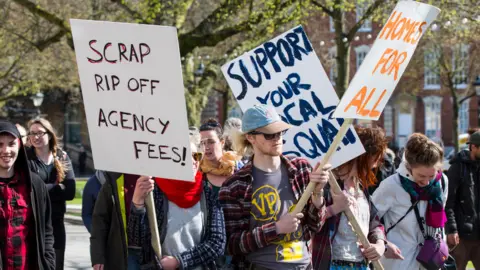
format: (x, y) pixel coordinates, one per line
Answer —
(285, 51)
(135, 122)
(119, 53)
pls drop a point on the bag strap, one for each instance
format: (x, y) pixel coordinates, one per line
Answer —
(408, 211)
(420, 221)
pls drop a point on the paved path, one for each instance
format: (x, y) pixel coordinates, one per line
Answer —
(77, 254)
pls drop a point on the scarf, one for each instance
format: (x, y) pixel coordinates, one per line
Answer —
(182, 193)
(432, 193)
(227, 165)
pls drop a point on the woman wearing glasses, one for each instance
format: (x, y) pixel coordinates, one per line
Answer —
(55, 168)
(190, 222)
(217, 165)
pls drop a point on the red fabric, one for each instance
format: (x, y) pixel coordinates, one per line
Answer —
(182, 193)
(16, 214)
(129, 183)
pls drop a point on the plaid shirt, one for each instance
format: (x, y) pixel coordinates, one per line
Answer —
(322, 241)
(15, 217)
(204, 254)
(236, 199)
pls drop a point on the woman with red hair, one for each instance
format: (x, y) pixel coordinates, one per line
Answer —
(336, 246)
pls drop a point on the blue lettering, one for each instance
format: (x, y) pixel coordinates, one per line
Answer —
(312, 152)
(288, 93)
(326, 143)
(262, 62)
(284, 44)
(306, 110)
(319, 105)
(306, 43)
(264, 100)
(349, 137)
(294, 81)
(277, 102)
(247, 76)
(240, 79)
(289, 118)
(271, 50)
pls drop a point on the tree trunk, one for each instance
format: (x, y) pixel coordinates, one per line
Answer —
(455, 108)
(343, 67)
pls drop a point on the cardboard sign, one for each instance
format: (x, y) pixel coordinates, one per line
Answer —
(375, 81)
(286, 73)
(132, 88)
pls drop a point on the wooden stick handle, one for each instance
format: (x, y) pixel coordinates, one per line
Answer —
(333, 147)
(152, 221)
(335, 188)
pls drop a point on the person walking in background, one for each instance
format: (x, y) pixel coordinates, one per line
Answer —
(55, 169)
(418, 183)
(108, 232)
(190, 222)
(336, 245)
(217, 165)
(463, 209)
(26, 235)
(89, 197)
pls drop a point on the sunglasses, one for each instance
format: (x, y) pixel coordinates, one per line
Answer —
(269, 137)
(197, 156)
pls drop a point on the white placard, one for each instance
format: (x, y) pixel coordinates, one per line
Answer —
(132, 88)
(286, 73)
(375, 81)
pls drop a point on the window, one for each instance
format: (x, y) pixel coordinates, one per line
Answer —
(361, 9)
(432, 71)
(433, 118)
(361, 52)
(332, 27)
(332, 54)
(463, 117)
(388, 120)
(460, 65)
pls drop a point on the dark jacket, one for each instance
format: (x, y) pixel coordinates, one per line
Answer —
(463, 197)
(89, 197)
(58, 196)
(108, 240)
(41, 210)
(204, 254)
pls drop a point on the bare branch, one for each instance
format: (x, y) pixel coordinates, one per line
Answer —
(371, 9)
(36, 9)
(323, 8)
(135, 14)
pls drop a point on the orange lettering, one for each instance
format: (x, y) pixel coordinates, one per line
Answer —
(357, 101)
(396, 64)
(374, 112)
(420, 32)
(399, 29)
(362, 110)
(382, 59)
(390, 25)
(411, 30)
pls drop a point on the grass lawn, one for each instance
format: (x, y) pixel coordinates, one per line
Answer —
(78, 194)
(470, 265)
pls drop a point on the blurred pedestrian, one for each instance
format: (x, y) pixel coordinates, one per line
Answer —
(55, 169)
(89, 197)
(463, 209)
(26, 236)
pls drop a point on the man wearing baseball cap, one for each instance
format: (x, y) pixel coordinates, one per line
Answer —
(261, 233)
(463, 205)
(26, 235)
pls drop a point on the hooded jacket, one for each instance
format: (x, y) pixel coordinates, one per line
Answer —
(89, 197)
(40, 203)
(463, 199)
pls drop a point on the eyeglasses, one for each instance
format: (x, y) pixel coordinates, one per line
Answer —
(269, 137)
(197, 156)
(208, 142)
(37, 134)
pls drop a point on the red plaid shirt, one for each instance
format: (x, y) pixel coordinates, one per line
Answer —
(15, 215)
(236, 199)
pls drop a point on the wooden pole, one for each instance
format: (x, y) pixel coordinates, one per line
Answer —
(336, 189)
(152, 221)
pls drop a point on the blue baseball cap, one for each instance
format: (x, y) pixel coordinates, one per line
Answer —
(264, 119)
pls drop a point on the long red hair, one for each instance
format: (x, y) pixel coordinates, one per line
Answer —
(375, 144)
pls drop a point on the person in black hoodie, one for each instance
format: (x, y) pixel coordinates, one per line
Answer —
(26, 235)
(462, 209)
(55, 169)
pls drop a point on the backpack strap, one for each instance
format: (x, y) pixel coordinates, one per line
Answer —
(408, 211)
(420, 221)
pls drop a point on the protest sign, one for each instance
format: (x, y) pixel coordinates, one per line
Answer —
(384, 65)
(133, 93)
(286, 73)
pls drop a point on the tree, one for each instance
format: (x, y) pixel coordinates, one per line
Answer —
(345, 29)
(43, 25)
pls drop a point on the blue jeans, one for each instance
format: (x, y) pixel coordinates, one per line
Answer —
(133, 260)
